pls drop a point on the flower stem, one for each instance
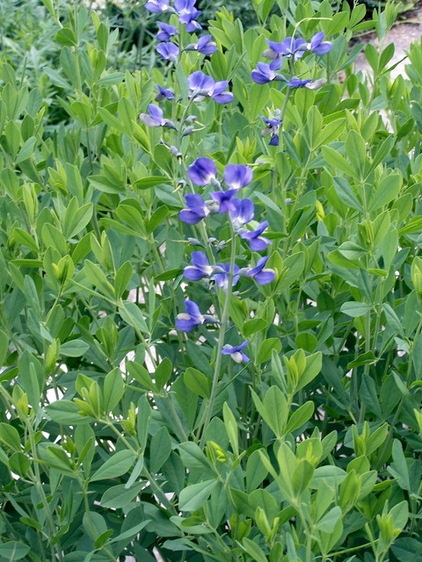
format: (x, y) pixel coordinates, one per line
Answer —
(223, 328)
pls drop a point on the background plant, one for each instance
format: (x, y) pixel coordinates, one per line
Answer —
(121, 435)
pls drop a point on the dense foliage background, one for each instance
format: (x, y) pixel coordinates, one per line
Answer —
(121, 435)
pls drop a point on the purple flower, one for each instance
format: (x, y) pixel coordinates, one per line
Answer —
(257, 242)
(204, 46)
(189, 320)
(169, 51)
(201, 84)
(164, 93)
(202, 172)
(187, 14)
(166, 31)
(259, 274)
(296, 82)
(264, 73)
(237, 176)
(158, 6)
(272, 128)
(318, 46)
(222, 273)
(242, 213)
(154, 118)
(224, 200)
(235, 351)
(200, 267)
(196, 209)
(289, 48)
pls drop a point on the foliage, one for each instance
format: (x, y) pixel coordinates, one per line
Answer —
(121, 435)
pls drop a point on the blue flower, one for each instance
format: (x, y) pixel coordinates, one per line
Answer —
(318, 46)
(296, 82)
(237, 176)
(205, 45)
(187, 14)
(221, 275)
(242, 213)
(288, 48)
(158, 6)
(166, 31)
(257, 242)
(169, 51)
(196, 209)
(259, 274)
(154, 118)
(189, 320)
(264, 73)
(272, 128)
(164, 93)
(224, 200)
(236, 351)
(200, 267)
(203, 172)
(201, 85)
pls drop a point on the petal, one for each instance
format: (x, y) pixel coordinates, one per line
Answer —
(202, 171)
(266, 276)
(238, 175)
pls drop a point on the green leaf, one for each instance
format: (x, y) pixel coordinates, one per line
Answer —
(197, 382)
(74, 348)
(300, 416)
(355, 309)
(66, 412)
(328, 521)
(9, 435)
(118, 497)
(160, 449)
(114, 389)
(122, 279)
(387, 190)
(13, 550)
(253, 550)
(193, 497)
(116, 465)
(132, 314)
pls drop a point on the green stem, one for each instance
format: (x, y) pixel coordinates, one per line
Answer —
(223, 327)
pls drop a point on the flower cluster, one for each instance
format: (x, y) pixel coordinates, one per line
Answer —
(187, 15)
(222, 198)
(291, 50)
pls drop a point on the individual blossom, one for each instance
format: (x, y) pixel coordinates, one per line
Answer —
(205, 45)
(166, 31)
(225, 200)
(189, 320)
(158, 6)
(241, 213)
(201, 85)
(199, 268)
(261, 275)
(154, 118)
(169, 51)
(265, 73)
(196, 209)
(318, 46)
(237, 176)
(272, 127)
(257, 242)
(164, 93)
(289, 48)
(222, 275)
(192, 317)
(296, 82)
(203, 172)
(188, 14)
(236, 351)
